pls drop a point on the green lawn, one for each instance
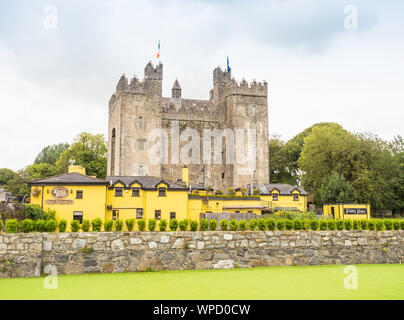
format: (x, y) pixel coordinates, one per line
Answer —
(315, 282)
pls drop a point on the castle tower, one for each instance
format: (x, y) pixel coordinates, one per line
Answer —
(176, 90)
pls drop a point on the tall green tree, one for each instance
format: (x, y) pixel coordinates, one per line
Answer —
(6, 175)
(279, 167)
(51, 154)
(335, 189)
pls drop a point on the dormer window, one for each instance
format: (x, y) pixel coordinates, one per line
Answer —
(295, 197)
(118, 192)
(162, 192)
(135, 192)
(274, 197)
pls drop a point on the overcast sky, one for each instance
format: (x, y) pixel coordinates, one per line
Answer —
(56, 82)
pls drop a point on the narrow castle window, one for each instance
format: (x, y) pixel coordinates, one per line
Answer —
(140, 144)
(140, 122)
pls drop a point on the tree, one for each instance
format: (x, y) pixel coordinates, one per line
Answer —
(6, 175)
(335, 189)
(18, 185)
(279, 166)
(51, 154)
(88, 150)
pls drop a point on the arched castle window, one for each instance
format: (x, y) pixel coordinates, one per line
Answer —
(113, 143)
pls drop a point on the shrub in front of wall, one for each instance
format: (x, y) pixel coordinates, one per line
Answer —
(183, 224)
(402, 224)
(27, 225)
(1, 225)
(163, 225)
(40, 225)
(212, 224)
(96, 225)
(271, 224)
(314, 224)
(396, 224)
(173, 224)
(85, 226)
(130, 224)
(62, 225)
(289, 224)
(262, 225)
(364, 224)
(141, 224)
(204, 224)
(305, 224)
(51, 225)
(340, 224)
(118, 225)
(12, 226)
(243, 225)
(253, 224)
(75, 226)
(331, 224)
(280, 224)
(388, 224)
(297, 224)
(371, 224)
(323, 225)
(233, 225)
(348, 224)
(152, 225)
(193, 225)
(224, 224)
(379, 224)
(356, 225)
(108, 225)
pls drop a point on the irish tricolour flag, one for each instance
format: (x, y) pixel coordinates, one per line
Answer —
(158, 51)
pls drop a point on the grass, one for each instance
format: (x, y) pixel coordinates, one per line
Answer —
(294, 282)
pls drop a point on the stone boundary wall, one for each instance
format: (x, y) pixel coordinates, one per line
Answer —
(29, 255)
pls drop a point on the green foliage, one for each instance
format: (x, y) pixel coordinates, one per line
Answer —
(12, 226)
(51, 154)
(141, 223)
(348, 224)
(85, 226)
(364, 224)
(305, 224)
(130, 224)
(252, 225)
(118, 225)
(224, 224)
(193, 225)
(6, 175)
(297, 224)
(388, 224)
(18, 185)
(62, 225)
(314, 224)
(280, 224)
(230, 191)
(262, 224)
(340, 224)
(331, 224)
(256, 192)
(280, 163)
(336, 189)
(75, 226)
(183, 224)
(1, 225)
(371, 224)
(289, 224)
(40, 225)
(396, 224)
(27, 226)
(356, 225)
(163, 225)
(323, 225)
(96, 225)
(243, 225)
(204, 224)
(402, 224)
(108, 225)
(212, 224)
(152, 225)
(173, 224)
(233, 225)
(379, 224)
(271, 224)
(51, 225)
(292, 215)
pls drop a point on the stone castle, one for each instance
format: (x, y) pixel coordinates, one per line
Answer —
(138, 107)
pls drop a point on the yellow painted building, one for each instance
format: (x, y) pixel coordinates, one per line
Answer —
(347, 211)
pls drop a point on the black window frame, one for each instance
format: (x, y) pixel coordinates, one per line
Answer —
(295, 197)
(164, 190)
(139, 210)
(171, 215)
(118, 189)
(275, 197)
(157, 214)
(136, 192)
(77, 194)
(115, 215)
(78, 215)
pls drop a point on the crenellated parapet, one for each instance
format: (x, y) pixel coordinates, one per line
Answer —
(247, 88)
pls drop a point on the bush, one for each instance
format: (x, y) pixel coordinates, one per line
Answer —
(34, 211)
(108, 224)
(204, 224)
(193, 225)
(183, 224)
(152, 225)
(340, 224)
(388, 224)
(12, 226)
(62, 225)
(130, 224)
(305, 224)
(163, 225)
(1, 225)
(85, 226)
(271, 224)
(262, 224)
(141, 224)
(396, 224)
(280, 224)
(233, 225)
(323, 225)
(243, 225)
(173, 224)
(371, 224)
(289, 224)
(402, 224)
(212, 224)
(364, 224)
(379, 224)
(356, 225)
(314, 224)
(118, 225)
(297, 224)
(224, 224)
(253, 224)
(348, 224)
(75, 226)
(40, 225)
(51, 225)
(96, 224)
(331, 224)
(27, 225)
